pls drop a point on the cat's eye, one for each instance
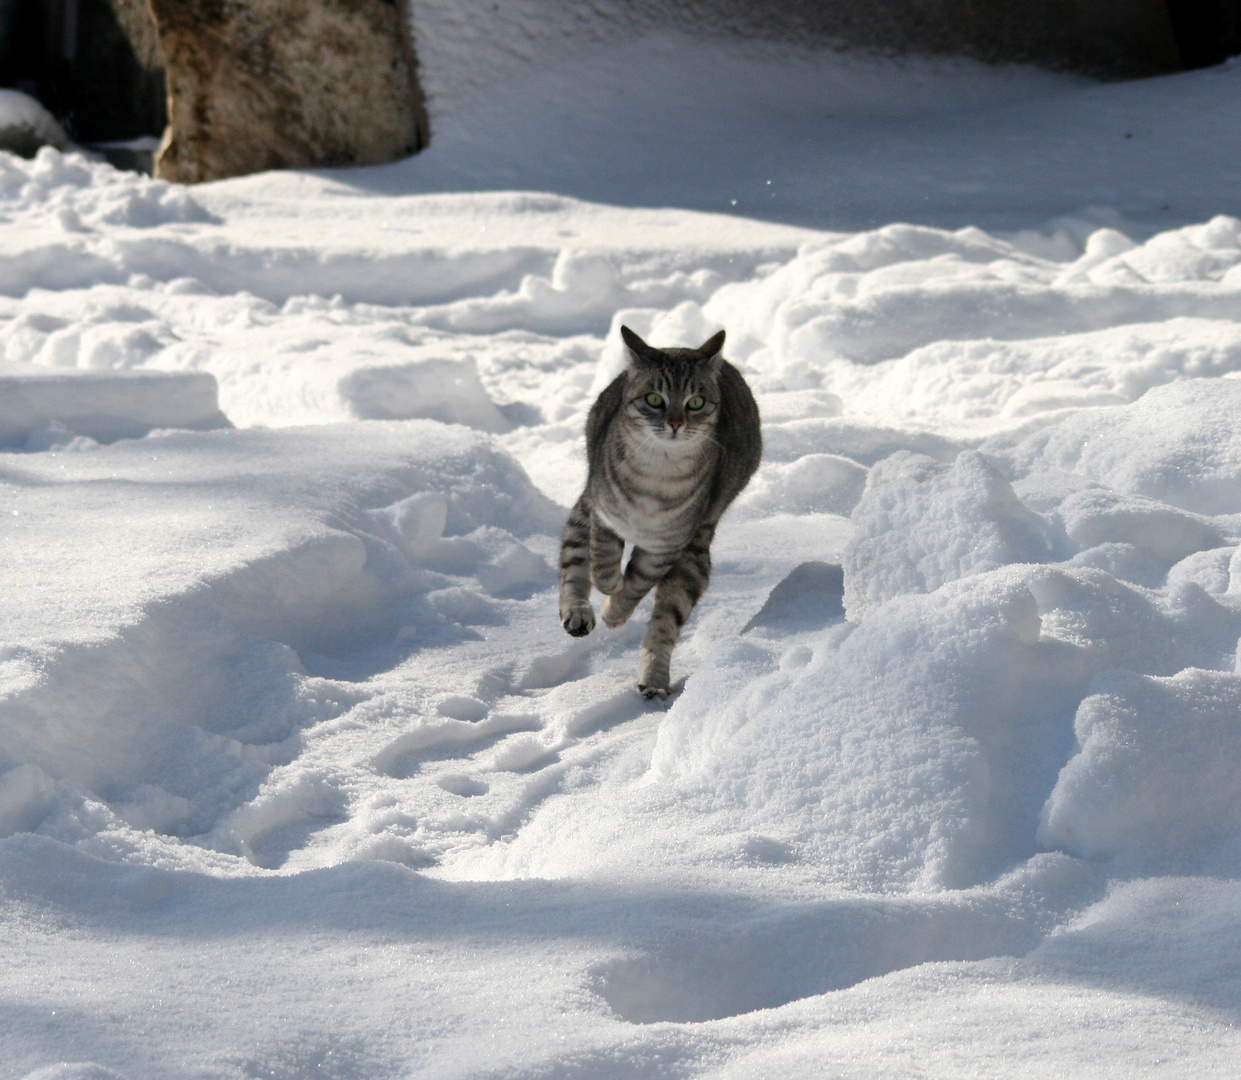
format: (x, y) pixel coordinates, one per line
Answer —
(696, 402)
(654, 400)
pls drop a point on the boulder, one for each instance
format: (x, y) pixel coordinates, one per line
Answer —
(274, 84)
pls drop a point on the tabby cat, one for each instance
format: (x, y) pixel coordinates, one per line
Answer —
(670, 443)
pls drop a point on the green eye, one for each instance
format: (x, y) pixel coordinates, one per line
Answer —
(696, 402)
(654, 400)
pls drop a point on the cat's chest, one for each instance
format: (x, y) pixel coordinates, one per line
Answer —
(654, 505)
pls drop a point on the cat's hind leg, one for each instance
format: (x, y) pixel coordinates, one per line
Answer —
(576, 614)
(675, 596)
(644, 571)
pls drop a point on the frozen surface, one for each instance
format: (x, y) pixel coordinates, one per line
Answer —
(299, 775)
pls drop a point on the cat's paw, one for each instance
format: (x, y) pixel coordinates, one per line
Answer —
(578, 621)
(654, 676)
(615, 612)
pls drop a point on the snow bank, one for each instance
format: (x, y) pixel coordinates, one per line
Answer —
(979, 351)
(37, 407)
(922, 524)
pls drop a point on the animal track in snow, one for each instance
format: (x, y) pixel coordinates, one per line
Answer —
(462, 707)
(460, 784)
(403, 755)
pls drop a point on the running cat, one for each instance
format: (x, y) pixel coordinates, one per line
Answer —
(670, 443)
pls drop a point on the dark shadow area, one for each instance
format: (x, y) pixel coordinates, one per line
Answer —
(693, 954)
(1174, 939)
(389, 898)
(807, 950)
(522, 414)
(94, 64)
(1207, 32)
(810, 598)
(372, 647)
(1108, 40)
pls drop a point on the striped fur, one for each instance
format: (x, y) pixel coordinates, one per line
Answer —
(670, 443)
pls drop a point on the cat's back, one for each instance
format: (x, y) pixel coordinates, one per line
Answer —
(739, 435)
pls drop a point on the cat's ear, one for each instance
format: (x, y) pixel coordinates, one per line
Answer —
(711, 348)
(638, 349)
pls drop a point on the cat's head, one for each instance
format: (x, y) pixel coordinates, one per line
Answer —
(672, 396)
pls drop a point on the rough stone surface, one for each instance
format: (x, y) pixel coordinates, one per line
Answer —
(271, 84)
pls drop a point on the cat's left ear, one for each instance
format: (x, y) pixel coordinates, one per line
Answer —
(711, 349)
(638, 349)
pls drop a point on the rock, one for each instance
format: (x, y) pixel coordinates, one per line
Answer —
(274, 84)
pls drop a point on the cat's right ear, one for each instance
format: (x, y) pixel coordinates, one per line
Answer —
(710, 348)
(638, 349)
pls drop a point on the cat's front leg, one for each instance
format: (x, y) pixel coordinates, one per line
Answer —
(606, 551)
(645, 569)
(576, 614)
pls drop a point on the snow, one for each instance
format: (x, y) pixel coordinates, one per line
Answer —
(25, 125)
(299, 775)
(101, 405)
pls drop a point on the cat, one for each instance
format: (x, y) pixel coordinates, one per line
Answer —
(670, 443)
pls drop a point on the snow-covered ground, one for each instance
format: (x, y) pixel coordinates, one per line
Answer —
(300, 776)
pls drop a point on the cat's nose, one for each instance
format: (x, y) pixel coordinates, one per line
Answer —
(676, 425)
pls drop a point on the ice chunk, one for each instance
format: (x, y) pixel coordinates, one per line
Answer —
(419, 520)
(515, 567)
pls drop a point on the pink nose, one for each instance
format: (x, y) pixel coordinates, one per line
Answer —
(676, 425)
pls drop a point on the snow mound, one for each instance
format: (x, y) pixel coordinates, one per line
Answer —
(1178, 444)
(862, 297)
(25, 125)
(40, 407)
(1156, 782)
(78, 195)
(922, 524)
